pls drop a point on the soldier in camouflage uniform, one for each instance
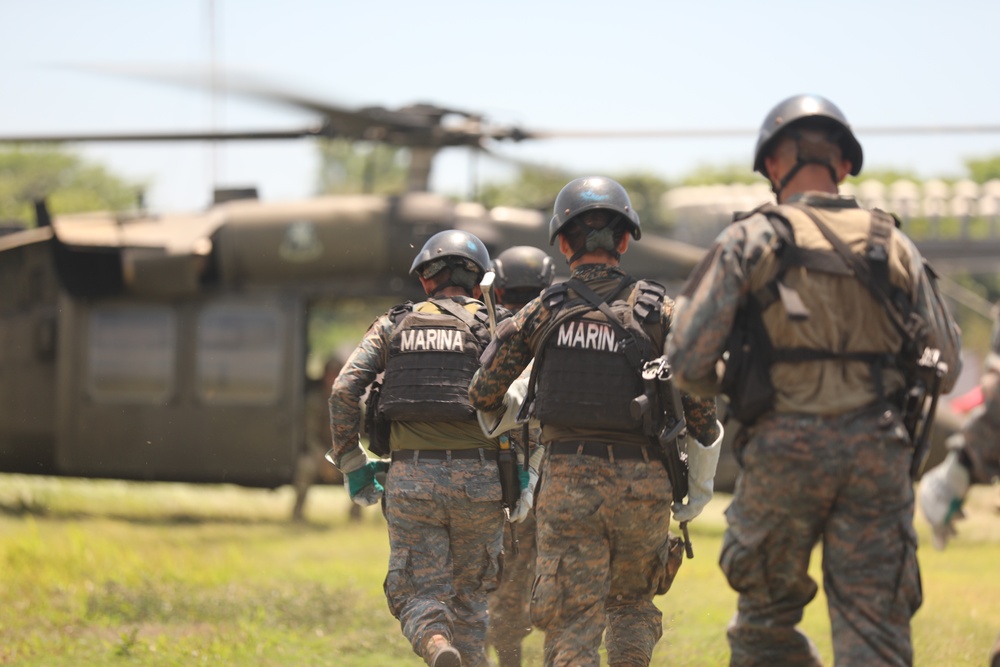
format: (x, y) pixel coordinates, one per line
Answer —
(442, 490)
(828, 458)
(604, 500)
(522, 272)
(973, 458)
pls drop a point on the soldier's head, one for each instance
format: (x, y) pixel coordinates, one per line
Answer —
(809, 135)
(451, 261)
(522, 272)
(593, 216)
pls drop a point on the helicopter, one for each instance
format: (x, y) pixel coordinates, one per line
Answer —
(174, 348)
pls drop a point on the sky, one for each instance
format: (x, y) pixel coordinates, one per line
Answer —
(542, 64)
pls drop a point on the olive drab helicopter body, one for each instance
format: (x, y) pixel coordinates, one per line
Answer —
(174, 348)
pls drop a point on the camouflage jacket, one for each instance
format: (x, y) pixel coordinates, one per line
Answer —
(742, 259)
(513, 351)
(361, 369)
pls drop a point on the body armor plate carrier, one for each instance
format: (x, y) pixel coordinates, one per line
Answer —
(589, 357)
(432, 358)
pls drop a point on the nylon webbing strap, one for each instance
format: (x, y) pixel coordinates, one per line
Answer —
(458, 311)
(631, 351)
(877, 250)
(629, 346)
(863, 273)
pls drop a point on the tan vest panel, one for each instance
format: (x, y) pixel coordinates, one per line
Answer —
(844, 317)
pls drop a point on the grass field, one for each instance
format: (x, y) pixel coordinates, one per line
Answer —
(119, 573)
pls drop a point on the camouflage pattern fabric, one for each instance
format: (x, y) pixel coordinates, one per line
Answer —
(509, 604)
(809, 476)
(743, 258)
(445, 519)
(445, 539)
(360, 370)
(843, 481)
(513, 352)
(603, 541)
(603, 550)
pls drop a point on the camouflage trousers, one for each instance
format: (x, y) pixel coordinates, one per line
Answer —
(510, 621)
(843, 481)
(603, 549)
(445, 539)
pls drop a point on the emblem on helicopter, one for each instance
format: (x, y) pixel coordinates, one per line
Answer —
(301, 243)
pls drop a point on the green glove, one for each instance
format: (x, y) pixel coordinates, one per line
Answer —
(364, 489)
(528, 480)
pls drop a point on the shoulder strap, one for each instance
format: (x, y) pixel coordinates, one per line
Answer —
(397, 313)
(629, 346)
(907, 325)
(648, 301)
(555, 297)
(461, 312)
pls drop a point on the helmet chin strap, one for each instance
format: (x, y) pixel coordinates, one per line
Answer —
(800, 162)
(599, 239)
(778, 187)
(459, 276)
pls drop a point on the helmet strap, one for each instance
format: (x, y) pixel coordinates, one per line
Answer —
(600, 239)
(801, 160)
(799, 163)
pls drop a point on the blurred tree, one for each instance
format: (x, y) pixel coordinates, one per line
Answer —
(721, 175)
(533, 187)
(537, 187)
(886, 176)
(65, 180)
(984, 169)
(348, 167)
(646, 192)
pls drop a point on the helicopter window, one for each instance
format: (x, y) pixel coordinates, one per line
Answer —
(240, 351)
(131, 353)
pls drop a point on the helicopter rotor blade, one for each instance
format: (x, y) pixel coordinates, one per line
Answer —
(233, 135)
(710, 133)
(415, 124)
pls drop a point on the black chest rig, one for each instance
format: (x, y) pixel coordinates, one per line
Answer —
(432, 358)
(749, 349)
(589, 354)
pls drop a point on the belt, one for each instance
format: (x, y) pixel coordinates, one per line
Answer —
(601, 450)
(417, 455)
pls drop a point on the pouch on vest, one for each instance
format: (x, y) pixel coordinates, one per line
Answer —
(377, 425)
(746, 383)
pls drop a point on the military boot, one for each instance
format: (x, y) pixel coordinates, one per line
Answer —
(438, 652)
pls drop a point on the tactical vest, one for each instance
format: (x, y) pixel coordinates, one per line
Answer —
(751, 352)
(587, 369)
(433, 353)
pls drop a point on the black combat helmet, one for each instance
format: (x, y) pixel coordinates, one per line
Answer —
(452, 245)
(523, 267)
(799, 108)
(589, 193)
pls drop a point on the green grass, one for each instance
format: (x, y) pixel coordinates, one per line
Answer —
(120, 573)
